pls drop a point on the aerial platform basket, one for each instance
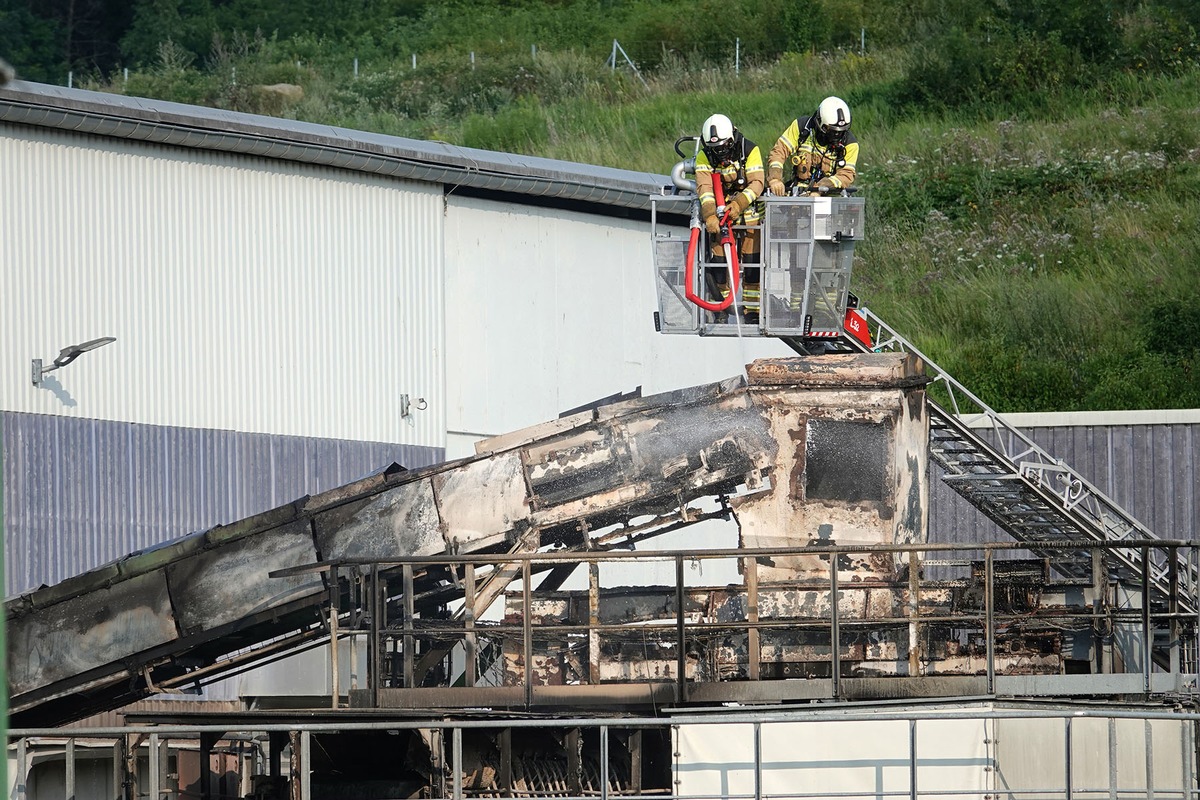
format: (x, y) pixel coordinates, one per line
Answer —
(806, 261)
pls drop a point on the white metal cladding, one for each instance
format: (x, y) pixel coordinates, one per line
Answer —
(244, 293)
(1146, 462)
(77, 494)
(548, 310)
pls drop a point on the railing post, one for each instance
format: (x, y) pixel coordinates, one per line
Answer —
(1070, 776)
(334, 610)
(603, 762)
(1147, 633)
(470, 642)
(835, 633)
(456, 747)
(750, 567)
(989, 605)
(681, 643)
(914, 614)
(912, 759)
(69, 778)
(374, 646)
(758, 787)
(409, 638)
(1173, 625)
(593, 623)
(527, 629)
(305, 766)
(153, 765)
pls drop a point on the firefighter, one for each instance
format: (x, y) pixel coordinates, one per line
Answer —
(821, 151)
(738, 161)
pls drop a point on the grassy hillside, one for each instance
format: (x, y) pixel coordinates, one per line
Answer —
(1033, 192)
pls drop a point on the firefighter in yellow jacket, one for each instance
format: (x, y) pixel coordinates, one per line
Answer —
(738, 162)
(817, 153)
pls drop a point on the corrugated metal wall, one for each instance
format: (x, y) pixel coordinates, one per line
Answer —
(244, 293)
(81, 493)
(1150, 470)
(550, 309)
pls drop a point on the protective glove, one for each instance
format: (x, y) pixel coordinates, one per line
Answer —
(712, 225)
(777, 187)
(737, 206)
(828, 183)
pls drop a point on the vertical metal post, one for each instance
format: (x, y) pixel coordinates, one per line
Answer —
(527, 628)
(1147, 636)
(758, 787)
(1070, 776)
(1149, 760)
(603, 762)
(914, 614)
(1173, 606)
(574, 744)
(635, 760)
(835, 632)
(750, 567)
(334, 610)
(989, 605)
(1187, 757)
(409, 639)
(22, 775)
(305, 765)
(69, 778)
(153, 764)
(470, 643)
(1195, 561)
(506, 776)
(169, 790)
(680, 641)
(119, 769)
(593, 623)
(457, 761)
(737, 56)
(1100, 587)
(912, 759)
(356, 67)
(1112, 759)
(374, 656)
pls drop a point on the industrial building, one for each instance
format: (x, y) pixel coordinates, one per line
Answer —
(363, 389)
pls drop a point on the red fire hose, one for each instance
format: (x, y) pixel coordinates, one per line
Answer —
(728, 243)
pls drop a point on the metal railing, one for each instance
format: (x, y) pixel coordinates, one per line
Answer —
(985, 752)
(984, 621)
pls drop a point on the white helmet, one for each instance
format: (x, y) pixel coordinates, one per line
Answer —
(833, 119)
(717, 137)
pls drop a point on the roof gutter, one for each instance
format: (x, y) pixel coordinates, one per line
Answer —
(196, 127)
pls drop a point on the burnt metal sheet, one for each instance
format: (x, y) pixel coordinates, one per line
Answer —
(481, 501)
(401, 521)
(230, 583)
(88, 631)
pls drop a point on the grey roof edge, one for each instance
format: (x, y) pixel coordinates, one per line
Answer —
(163, 122)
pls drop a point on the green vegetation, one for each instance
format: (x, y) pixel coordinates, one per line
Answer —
(1032, 170)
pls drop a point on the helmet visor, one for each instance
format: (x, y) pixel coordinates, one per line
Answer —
(719, 152)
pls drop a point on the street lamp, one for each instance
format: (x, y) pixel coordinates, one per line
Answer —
(67, 355)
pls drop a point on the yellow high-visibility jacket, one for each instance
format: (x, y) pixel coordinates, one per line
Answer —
(744, 176)
(810, 161)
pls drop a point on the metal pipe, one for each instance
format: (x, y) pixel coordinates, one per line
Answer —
(682, 168)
